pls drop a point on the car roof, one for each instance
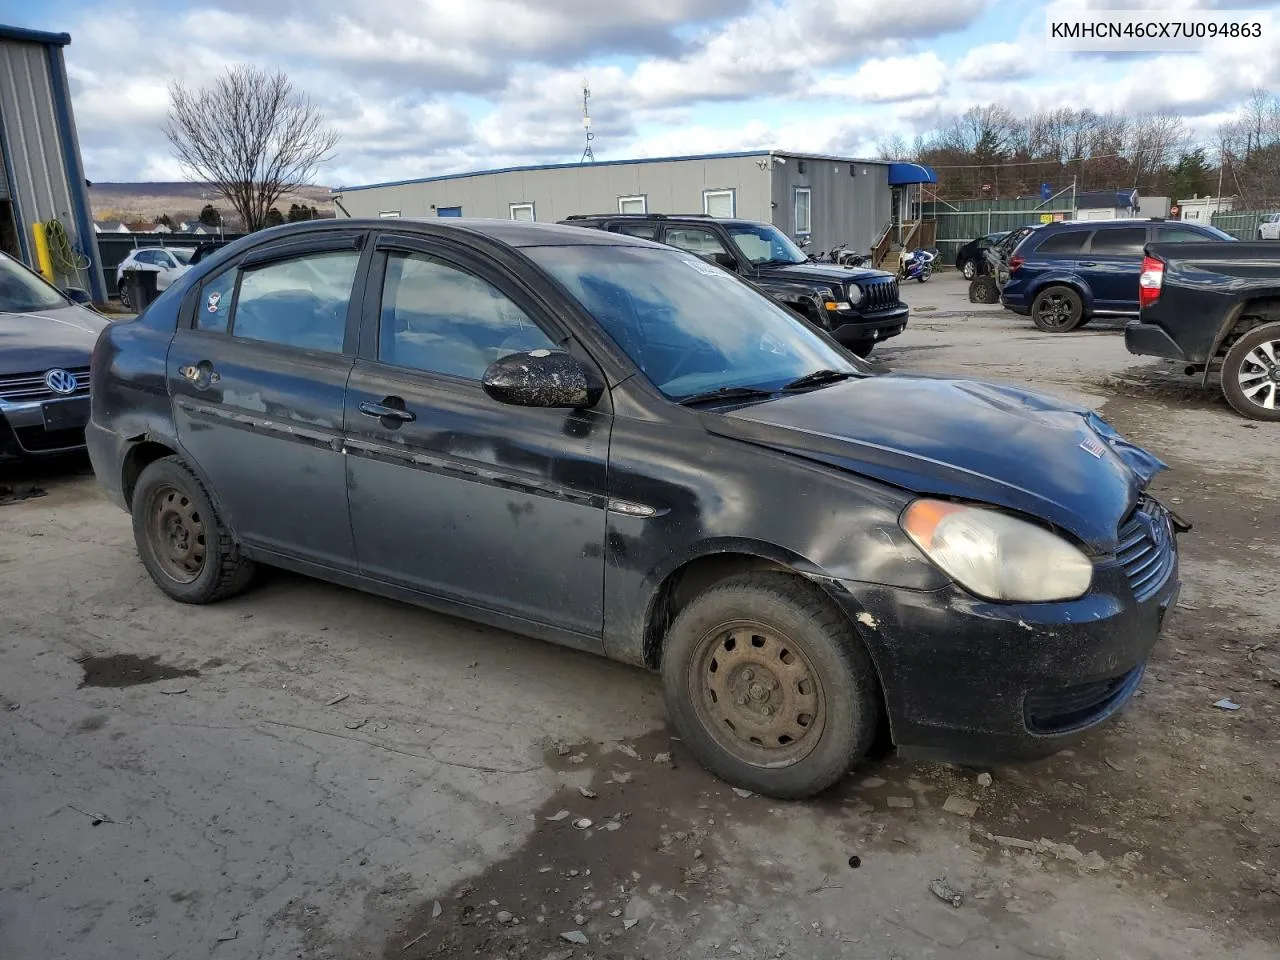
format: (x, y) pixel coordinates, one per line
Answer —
(513, 233)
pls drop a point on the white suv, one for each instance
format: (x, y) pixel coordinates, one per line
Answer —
(168, 262)
(1269, 226)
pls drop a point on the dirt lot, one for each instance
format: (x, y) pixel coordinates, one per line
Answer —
(310, 772)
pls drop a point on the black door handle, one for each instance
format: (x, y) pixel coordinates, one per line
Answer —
(391, 409)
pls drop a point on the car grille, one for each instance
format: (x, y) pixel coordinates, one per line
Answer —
(879, 295)
(1070, 708)
(1146, 549)
(31, 388)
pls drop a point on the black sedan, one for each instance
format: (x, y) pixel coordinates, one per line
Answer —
(610, 444)
(46, 339)
(969, 260)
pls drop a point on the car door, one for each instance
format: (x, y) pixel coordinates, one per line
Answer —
(258, 375)
(454, 494)
(170, 268)
(1111, 265)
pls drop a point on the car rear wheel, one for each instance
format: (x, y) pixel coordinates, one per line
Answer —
(1057, 310)
(122, 290)
(769, 686)
(970, 269)
(1251, 373)
(181, 539)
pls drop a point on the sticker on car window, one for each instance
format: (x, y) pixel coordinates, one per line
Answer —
(214, 299)
(703, 267)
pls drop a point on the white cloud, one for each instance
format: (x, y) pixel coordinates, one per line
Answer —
(438, 86)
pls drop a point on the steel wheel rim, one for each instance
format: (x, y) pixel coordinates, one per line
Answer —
(756, 692)
(1055, 311)
(177, 533)
(1259, 375)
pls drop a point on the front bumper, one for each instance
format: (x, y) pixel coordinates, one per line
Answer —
(975, 682)
(869, 329)
(1148, 340)
(46, 428)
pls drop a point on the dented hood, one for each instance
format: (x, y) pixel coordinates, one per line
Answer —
(962, 439)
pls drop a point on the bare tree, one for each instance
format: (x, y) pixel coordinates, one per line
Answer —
(251, 136)
(891, 148)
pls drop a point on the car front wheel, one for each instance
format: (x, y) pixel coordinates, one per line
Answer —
(970, 270)
(1251, 373)
(1057, 310)
(769, 685)
(182, 541)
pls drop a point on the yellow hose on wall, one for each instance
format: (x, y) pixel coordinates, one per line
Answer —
(44, 260)
(66, 261)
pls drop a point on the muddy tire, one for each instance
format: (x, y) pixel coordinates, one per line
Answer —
(1057, 310)
(1251, 374)
(983, 289)
(181, 539)
(769, 686)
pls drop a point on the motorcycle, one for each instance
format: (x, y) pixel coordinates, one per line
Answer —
(844, 257)
(917, 264)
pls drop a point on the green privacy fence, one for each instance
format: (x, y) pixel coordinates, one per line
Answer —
(1241, 224)
(960, 222)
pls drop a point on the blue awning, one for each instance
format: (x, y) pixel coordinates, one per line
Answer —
(900, 174)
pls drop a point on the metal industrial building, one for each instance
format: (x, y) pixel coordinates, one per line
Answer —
(829, 200)
(41, 176)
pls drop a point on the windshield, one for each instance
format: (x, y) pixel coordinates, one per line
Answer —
(689, 326)
(761, 243)
(22, 291)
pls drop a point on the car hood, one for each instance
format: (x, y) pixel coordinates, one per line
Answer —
(34, 342)
(822, 272)
(962, 439)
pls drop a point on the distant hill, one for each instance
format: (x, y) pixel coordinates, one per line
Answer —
(181, 200)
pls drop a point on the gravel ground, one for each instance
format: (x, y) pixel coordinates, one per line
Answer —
(311, 772)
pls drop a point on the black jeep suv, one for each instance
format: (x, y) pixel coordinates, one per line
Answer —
(858, 307)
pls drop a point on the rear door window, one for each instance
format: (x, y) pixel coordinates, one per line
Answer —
(1121, 242)
(1180, 235)
(646, 231)
(1065, 243)
(297, 303)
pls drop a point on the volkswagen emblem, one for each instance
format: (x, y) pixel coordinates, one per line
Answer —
(61, 382)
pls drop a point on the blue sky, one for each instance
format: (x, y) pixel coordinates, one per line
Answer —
(423, 87)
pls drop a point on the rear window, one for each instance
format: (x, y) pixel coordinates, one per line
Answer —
(1068, 241)
(1121, 242)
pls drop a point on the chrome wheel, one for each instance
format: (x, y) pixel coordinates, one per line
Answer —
(177, 533)
(757, 693)
(1259, 375)
(970, 270)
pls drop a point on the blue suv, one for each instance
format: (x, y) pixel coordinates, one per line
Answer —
(1065, 274)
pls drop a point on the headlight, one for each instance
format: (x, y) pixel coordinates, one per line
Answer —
(996, 556)
(855, 294)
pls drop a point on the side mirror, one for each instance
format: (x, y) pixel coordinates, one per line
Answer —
(725, 260)
(542, 378)
(76, 295)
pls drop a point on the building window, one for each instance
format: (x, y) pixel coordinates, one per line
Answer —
(522, 211)
(803, 209)
(719, 203)
(388, 214)
(633, 204)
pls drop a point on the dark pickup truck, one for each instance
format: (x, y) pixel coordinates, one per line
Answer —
(856, 306)
(1215, 304)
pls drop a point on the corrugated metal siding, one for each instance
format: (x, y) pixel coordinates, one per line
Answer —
(670, 187)
(849, 201)
(30, 128)
(4, 180)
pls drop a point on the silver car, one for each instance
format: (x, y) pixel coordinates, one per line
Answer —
(46, 340)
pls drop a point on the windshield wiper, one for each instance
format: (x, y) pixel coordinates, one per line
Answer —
(818, 378)
(726, 393)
